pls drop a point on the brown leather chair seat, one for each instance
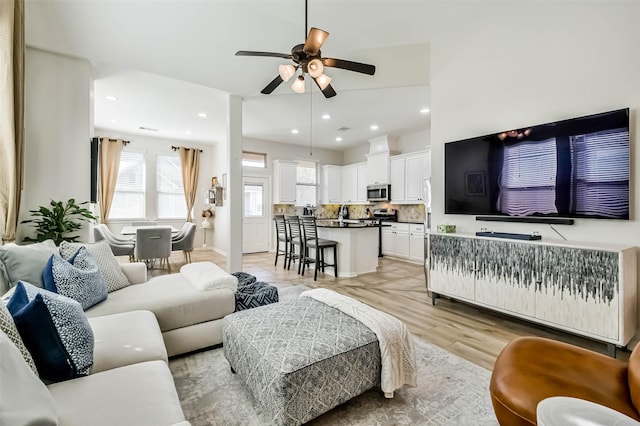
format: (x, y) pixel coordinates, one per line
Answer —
(531, 369)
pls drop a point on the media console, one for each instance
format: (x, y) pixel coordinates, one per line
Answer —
(586, 289)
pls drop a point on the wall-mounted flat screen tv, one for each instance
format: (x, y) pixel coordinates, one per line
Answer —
(577, 168)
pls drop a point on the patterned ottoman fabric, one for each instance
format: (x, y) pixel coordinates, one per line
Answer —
(255, 294)
(244, 278)
(301, 359)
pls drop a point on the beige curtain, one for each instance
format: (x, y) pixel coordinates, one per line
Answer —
(11, 114)
(190, 163)
(110, 150)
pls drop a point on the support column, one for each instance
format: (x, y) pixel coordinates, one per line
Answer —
(234, 182)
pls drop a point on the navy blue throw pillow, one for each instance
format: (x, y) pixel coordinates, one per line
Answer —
(55, 330)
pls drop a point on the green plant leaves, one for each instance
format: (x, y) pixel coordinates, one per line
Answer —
(58, 221)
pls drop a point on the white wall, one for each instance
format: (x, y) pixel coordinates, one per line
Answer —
(152, 147)
(281, 151)
(503, 65)
(221, 222)
(58, 131)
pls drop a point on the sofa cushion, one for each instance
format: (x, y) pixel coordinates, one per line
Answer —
(126, 338)
(24, 400)
(174, 301)
(25, 263)
(77, 278)
(108, 265)
(208, 276)
(140, 394)
(55, 330)
(9, 328)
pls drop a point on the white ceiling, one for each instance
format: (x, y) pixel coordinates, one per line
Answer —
(168, 60)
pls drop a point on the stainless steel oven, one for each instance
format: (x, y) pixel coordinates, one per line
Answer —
(379, 192)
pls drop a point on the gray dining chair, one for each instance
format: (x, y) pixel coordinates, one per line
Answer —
(153, 243)
(181, 232)
(184, 241)
(120, 246)
(144, 223)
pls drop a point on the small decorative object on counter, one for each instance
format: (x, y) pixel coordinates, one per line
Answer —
(446, 229)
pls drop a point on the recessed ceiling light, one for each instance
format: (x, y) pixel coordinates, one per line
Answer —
(424, 111)
(294, 131)
(114, 121)
(189, 132)
(338, 139)
(374, 127)
(111, 98)
(326, 116)
(202, 114)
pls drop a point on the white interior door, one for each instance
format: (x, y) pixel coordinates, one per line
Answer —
(256, 214)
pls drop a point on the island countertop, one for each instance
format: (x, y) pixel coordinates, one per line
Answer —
(333, 223)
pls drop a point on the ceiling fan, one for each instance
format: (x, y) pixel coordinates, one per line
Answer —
(308, 58)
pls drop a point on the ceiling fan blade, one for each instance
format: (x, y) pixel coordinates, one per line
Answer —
(349, 65)
(272, 86)
(271, 54)
(328, 91)
(314, 41)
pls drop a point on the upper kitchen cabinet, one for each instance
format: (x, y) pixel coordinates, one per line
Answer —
(407, 175)
(362, 173)
(331, 184)
(350, 183)
(378, 168)
(284, 177)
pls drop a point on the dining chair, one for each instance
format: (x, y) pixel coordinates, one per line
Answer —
(180, 234)
(144, 223)
(153, 243)
(311, 241)
(282, 236)
(295, 240)
(120, 246)
(185, 242)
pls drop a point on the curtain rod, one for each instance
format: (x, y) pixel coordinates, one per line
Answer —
(175, 148)
(115, 140)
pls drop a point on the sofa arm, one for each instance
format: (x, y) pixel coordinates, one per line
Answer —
(136, 272)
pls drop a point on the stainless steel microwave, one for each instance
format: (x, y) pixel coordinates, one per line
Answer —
(379, 192)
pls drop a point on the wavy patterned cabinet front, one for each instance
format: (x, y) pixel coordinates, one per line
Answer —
(579, 288)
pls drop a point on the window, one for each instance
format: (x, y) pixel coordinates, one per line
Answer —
(253, 205)
(171, 202)
(128, 199)
(254, 159)
(306, 183)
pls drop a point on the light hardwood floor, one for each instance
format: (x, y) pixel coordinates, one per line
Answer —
(398, 288)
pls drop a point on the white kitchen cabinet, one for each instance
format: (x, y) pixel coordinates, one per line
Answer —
(397, 178)
(416, 242)
(361, 196)
(350, 183)
(416, 171)
(395, 240)
(331, 184)
(378, 168)
(284, 177)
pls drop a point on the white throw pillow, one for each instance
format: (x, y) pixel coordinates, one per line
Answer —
(108, 265)
(25, 263)
(25, 399)
(208, 276)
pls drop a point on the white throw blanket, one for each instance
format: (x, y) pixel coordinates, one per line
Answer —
(396, 345)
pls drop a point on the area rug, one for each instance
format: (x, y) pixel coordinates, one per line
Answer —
(450, 391)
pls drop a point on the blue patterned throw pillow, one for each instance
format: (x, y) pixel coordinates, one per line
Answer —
(78, 278)
(55, 330)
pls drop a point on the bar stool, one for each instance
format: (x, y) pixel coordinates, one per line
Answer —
(295, 239)
(311, 240)
(281, 236)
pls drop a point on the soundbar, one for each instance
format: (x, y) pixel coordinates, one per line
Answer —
(527, 219)
(508, 235)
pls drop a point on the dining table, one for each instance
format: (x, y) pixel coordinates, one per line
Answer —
(131, 229)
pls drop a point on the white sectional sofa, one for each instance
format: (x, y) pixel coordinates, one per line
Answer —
(135, 330)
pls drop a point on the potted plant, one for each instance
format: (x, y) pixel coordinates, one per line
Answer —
(58, 221)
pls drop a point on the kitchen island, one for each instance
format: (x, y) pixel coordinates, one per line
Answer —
(357, 246)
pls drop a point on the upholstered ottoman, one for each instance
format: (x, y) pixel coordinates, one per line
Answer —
(255, 294)
(300, 359)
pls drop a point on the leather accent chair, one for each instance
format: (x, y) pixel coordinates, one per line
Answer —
(531, 369)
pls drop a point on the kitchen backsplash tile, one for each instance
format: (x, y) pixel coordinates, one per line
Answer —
(406, 212)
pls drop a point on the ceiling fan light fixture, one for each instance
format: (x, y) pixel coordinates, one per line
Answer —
(315, 68)
(286, 71)
(323, 81)
(298, 85)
